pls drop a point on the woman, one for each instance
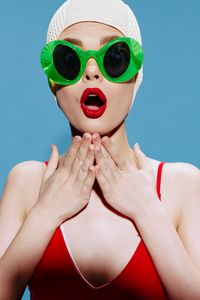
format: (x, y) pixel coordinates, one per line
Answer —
(90, 224)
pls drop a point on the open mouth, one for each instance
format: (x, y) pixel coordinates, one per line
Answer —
(93, 102)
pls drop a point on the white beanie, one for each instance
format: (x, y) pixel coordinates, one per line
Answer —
(111, 12)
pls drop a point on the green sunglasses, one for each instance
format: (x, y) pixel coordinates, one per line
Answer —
(64, 63)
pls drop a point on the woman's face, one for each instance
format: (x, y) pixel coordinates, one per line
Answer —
(119, 95)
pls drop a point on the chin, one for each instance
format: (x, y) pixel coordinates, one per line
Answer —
(95, 127)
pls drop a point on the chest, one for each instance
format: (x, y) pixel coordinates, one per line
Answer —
(100, 242)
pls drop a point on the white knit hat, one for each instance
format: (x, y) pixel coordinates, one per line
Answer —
(111, 12)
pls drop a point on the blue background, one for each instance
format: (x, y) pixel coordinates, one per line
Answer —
(165, 116)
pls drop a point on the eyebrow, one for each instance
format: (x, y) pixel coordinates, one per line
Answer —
(103, 40)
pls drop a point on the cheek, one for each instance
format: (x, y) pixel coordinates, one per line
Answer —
(66, 106)
(124, 95)
(63, 96)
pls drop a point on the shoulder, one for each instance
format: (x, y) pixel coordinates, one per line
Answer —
(21, 170)
(25, 173)
(185, 176)
(23, 184)
(181, 175)
(180, 187)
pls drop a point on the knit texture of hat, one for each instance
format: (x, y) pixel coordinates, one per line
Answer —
(110, 12)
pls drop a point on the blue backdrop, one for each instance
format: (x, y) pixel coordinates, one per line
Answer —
(165, 116)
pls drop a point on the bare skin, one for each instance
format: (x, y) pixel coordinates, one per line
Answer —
(100, 170)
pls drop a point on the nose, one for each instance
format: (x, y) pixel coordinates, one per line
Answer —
(92, 71)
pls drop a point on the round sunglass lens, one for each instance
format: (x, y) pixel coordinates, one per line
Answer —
(66, 61)
(117, 59)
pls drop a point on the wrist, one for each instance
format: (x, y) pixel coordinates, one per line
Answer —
(153, 212)
(40, 219)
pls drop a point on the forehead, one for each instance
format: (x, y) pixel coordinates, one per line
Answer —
(95, 30)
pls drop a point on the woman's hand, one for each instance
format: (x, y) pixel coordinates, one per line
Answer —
(127, 187)
(67, 181)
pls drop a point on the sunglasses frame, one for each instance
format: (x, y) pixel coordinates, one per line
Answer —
(47, 63)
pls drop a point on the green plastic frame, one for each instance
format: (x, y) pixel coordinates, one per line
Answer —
(48, 66)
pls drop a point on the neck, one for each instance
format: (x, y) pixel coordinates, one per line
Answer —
(118, 137)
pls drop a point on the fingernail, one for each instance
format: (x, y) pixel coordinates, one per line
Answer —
(95, 136)
(85, 137)
(137, 145)
(91, 169)
(98, 168)
(98, 149)
(91, 147)
(77, 139)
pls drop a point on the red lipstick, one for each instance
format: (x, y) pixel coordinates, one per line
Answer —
(93, 103)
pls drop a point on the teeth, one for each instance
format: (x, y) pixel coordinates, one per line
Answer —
(92, 95)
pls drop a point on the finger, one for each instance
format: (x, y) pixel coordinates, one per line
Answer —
(89, 160)
(80, 157)
(108, 158)
(96, 139)
(100, 159)
(97, 142)
(105, 164)
(111, 148)
(103, 182)
(141, 158)
(89, 181)
(52, 163)
(72, 152)
(112, 167)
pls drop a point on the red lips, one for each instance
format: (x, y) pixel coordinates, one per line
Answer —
(93, 102)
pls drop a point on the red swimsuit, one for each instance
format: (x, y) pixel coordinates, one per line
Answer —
(57, 278)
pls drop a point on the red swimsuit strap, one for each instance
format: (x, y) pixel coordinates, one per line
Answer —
(158, 182)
